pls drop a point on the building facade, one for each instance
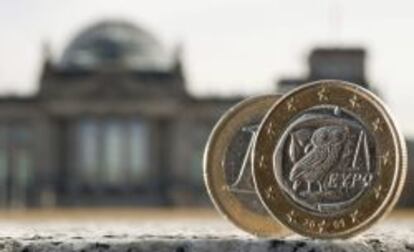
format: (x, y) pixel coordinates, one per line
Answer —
(113, 124)
(331, 63)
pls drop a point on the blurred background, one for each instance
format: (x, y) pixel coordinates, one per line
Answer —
(109, 103)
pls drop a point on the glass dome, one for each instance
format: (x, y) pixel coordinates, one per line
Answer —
(115, 44)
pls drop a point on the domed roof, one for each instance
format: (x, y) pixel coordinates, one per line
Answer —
(115, 44)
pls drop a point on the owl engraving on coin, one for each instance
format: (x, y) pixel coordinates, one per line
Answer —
(325, 159)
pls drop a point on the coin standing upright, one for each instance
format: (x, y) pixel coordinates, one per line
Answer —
(328, 160)
(227, 167)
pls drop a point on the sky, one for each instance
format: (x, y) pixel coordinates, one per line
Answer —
(229, 46)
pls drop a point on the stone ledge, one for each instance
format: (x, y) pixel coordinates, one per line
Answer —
(185, 235)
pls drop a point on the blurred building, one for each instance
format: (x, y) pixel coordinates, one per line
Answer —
(112, 124)
(331, 63)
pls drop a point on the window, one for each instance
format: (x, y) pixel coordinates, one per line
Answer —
(21, 162)
(3, 164)
(16, 163)
(199, 140)
(112, 151)
(87, 141)
(113, 144)
(138, 149)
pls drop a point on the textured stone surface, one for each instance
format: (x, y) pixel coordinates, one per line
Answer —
(183, 235)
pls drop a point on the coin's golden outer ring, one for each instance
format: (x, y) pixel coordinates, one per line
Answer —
(390, 159)
(214, 176)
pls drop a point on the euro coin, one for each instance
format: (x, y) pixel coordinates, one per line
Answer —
(227, 167)
(329, 160)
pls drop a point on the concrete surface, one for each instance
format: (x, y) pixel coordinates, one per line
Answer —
(181, 234)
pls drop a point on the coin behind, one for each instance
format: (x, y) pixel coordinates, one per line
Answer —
(227, 167)
(328, 160)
